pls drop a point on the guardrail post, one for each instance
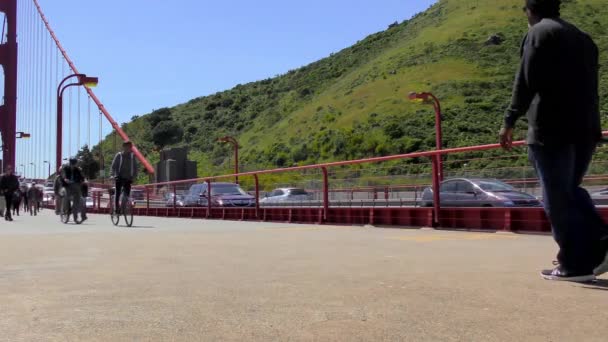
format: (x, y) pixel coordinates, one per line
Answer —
(208, 198)
(325, 194)
(436, 190)
(174, 196)
(147, 200)
(386, 193)
(257, 195)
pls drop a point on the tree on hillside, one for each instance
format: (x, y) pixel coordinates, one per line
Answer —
(88, 163)
(158, 116)
(167, 133)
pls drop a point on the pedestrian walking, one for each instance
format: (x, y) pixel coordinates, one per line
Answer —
(557, 88)
(9, 184)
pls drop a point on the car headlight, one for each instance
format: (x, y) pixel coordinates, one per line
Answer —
(220, 202)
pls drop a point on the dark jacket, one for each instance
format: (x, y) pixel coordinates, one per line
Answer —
(9, 183)
(124, 166)
(71, 174)
(557, 85)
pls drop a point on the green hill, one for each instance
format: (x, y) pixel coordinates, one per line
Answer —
(353, 104)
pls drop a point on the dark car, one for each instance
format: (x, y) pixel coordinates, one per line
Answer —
(194, 195)
(222, 195)
(463, 192)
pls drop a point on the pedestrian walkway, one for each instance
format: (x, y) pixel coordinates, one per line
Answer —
(197, 280)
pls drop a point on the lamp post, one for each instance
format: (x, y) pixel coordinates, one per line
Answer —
(437, 162)
(33, 169)
(48, 162)
(81, 80)
(231, 140)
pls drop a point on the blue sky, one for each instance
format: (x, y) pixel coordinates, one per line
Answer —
(150, 53)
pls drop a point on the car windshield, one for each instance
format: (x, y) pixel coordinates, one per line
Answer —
(495, 186)
(227, 189)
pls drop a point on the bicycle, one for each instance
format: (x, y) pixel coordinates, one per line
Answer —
(67, 210)
(126, 208)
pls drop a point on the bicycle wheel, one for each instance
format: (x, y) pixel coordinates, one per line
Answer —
(114, 216)
(65, 211)
(127, 211)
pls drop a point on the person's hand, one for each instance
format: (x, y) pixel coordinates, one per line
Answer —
(506, 138)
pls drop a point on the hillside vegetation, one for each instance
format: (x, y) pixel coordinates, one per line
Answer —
(353, 104)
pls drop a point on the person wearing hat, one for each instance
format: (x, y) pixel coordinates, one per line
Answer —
(557, 88)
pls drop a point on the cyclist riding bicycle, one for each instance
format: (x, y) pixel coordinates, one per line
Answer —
(72, 179)
(124, 171)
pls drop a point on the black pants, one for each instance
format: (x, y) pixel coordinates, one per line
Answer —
(578, 228)
(8, 198)
(120, 184)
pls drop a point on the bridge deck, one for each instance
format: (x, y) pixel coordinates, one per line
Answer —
(172, 279)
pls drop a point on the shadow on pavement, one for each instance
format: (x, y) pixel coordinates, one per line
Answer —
(600, 284)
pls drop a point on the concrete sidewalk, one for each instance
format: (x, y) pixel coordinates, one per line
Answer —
(196, 280)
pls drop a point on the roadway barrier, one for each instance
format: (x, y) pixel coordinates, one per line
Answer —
(388, 205)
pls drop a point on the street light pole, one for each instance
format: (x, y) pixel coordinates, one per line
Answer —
(231, 140)
(437, 162)
(82, 80)
(33, 169)
(48, 162)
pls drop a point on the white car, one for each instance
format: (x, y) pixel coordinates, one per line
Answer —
(48, 195)
(89, 202)
(287, 195)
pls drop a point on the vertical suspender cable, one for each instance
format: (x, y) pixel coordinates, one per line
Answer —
(101, 158)
(51, 116)
(32, 115)
(42, 108)
(78, 146)
(55, 84)
(70, 123)
(45, 84)
(89, 123)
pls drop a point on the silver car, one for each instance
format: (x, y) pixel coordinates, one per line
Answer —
(463, 192)
(600, 197)
(287, 195)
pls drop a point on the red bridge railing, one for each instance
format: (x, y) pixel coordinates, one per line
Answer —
(330, 212)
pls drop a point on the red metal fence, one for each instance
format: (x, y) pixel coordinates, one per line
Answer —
(342, 205)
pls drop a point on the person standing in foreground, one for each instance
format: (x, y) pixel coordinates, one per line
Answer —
(124, 171)
(557, 87)
(72, 179)
(9, 183)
